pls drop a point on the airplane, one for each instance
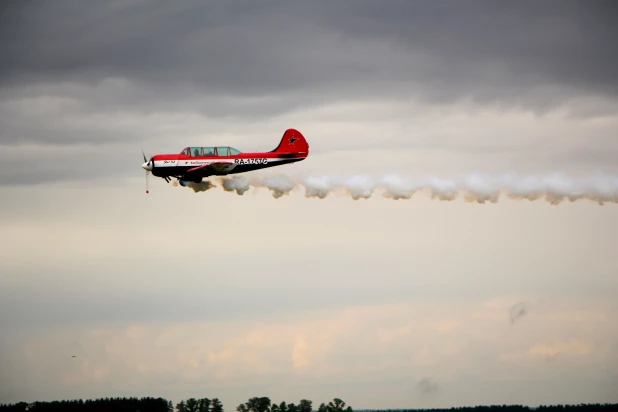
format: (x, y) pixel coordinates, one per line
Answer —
(195, 163)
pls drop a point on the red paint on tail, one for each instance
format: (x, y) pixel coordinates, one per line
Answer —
(292, 144)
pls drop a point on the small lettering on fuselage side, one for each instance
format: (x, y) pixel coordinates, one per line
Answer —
(204, 162)
(250, 161)
(195, 162)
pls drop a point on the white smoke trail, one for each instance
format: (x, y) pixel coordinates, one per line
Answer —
(318, 186)
(398, 188)
(237, 183)
(360, 187)
(477, 188)
(280, 185)
(198, 187)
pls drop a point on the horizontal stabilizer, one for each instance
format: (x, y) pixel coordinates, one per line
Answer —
(291, 154)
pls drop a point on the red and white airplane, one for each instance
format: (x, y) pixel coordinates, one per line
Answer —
(197, 162)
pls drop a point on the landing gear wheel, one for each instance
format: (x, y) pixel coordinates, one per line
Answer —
(198, 180)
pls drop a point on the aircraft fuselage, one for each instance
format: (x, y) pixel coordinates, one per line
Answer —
(197, 162)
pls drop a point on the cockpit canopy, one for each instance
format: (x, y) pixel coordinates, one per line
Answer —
(196, 151)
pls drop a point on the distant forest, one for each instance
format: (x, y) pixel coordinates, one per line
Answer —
(264, 404)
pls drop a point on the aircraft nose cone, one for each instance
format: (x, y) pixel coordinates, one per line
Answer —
(147, 166)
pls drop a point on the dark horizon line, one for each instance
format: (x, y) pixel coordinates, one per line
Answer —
(571, 406)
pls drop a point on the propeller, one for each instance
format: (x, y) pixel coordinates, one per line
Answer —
(147, 166)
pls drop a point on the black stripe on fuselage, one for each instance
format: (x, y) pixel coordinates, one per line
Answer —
(182, 170)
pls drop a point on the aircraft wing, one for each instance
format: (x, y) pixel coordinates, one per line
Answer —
(215, 167)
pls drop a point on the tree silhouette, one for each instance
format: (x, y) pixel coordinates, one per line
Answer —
(337, 405)
(258, 404)
(304, 406)
(192, 405)
(216, 405)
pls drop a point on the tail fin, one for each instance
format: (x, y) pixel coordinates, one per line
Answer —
(292, 144)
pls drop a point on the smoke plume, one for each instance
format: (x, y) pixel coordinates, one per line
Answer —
(198, 187)
(477, 188)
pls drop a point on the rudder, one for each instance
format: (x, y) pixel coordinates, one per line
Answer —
(292, 142)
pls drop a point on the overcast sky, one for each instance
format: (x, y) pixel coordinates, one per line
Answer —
(383, 303)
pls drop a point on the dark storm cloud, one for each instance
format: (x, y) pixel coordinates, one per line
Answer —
(547, 44)
(520, 52)
(105, 74)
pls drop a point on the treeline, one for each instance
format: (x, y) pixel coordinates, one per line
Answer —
(199, 405)
(95, 405)
(120, 405)
(256, 404)
(264, 404)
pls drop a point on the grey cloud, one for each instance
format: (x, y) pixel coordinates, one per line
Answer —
(90, 294)
(67, 164)
(113, 75)
(529, 53)
(548, 44)
(220, 48)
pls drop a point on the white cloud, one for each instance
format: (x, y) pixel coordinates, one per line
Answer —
(446, 341)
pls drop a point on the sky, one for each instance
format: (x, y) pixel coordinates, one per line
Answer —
(430, 300)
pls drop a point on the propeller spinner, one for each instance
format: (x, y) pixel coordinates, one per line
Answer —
(147, 166)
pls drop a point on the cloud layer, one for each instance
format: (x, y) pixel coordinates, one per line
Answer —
(427, 352)
(83, 85)
(243, 49)
(385, 304)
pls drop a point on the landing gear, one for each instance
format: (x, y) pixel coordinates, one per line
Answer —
(187, 180)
